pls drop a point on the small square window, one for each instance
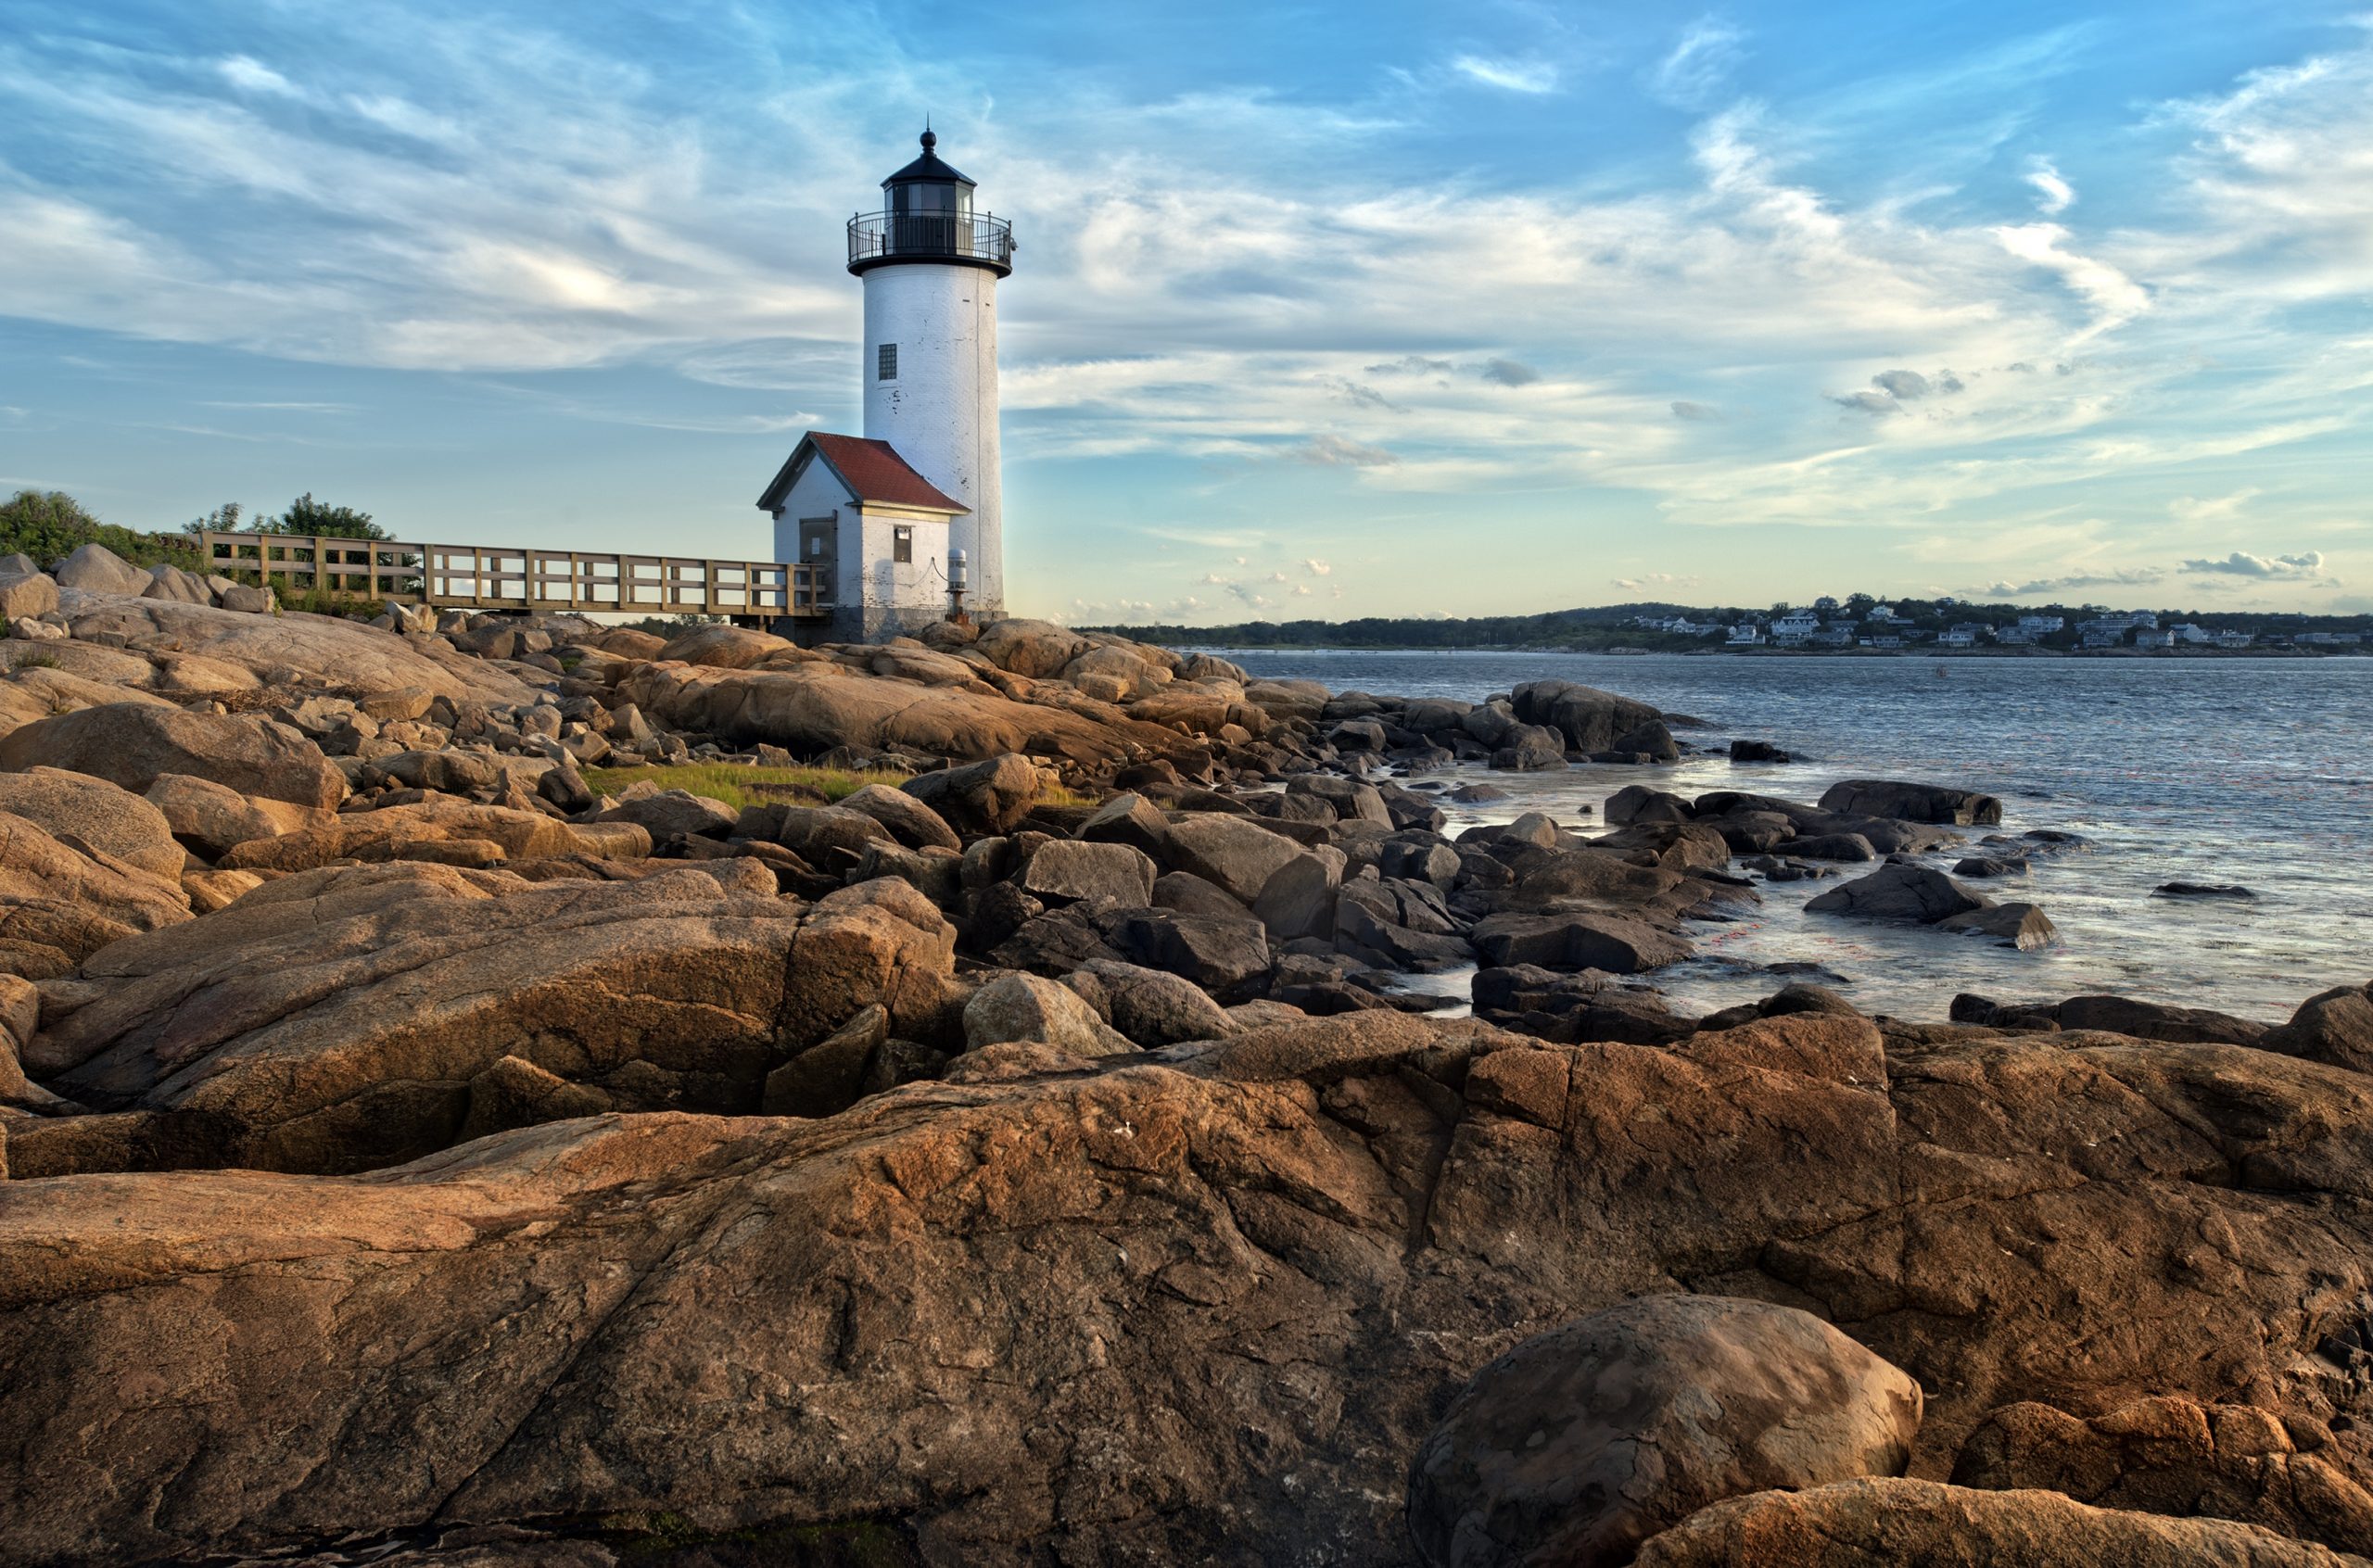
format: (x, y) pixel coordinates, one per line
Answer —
(902, 545)
(887, 365)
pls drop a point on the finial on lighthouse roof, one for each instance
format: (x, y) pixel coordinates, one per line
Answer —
(929, 141)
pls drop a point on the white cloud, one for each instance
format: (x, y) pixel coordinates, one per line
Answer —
(2242, 563)
(1512, 76)
(2054, 194)
(253, 76)
(1316, 567)
(1699, 64)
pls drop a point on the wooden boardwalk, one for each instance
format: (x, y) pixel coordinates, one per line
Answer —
(485, 577)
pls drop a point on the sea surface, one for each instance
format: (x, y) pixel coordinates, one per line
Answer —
(2250, 771)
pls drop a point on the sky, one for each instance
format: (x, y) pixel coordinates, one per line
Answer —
(1318, 310)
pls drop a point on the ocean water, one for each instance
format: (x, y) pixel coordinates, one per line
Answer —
(2250, 771)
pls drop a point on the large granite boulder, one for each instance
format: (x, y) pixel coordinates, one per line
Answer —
(449, 831)
(61, 900)
(1590, 720)
(723, 647)
(334, 1020)
(812, 708)
(292, 649)
(96, 568)
(1582, 1442)
(108, 818)
(1197, 1307)
(134, 744)
(985, 797)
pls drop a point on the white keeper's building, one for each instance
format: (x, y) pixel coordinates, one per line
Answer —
(904, 516)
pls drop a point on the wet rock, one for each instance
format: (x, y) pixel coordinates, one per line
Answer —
(1347, 799)
(1612, 943)
(1531, 749)
(2021, 926)
(1756, 752)
(1581, 1443)
(1911, 802)
(1912, 893)
(2201, 890)
(1833, 846)
(1637, 803)
(1987, 865)
(1587, 719)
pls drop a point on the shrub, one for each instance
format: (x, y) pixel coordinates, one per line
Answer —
(47, 526)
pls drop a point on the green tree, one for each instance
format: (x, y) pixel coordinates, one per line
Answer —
(223, 519)
(306, 515)
(49, 524)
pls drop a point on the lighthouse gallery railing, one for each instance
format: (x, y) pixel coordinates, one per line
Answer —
(875, 236)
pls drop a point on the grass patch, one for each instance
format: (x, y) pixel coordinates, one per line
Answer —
(740, 786)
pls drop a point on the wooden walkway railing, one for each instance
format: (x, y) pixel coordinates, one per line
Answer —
(478, 577)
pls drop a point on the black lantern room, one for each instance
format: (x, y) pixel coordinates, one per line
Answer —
(929, 220)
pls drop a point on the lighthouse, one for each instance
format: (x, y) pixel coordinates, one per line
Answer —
(905, 522)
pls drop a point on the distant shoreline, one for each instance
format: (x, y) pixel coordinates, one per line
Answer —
(1767, 653)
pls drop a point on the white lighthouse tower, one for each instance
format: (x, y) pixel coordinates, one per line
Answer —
(912, 509)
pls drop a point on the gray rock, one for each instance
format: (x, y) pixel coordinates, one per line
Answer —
(985, 797)
(1030, 1007)
(96, 569)
(25, 596)
(1531, 749)
(250, 600)
(675, 811)
(1833, 846)
(1581, 1443)
(1153, 1008)
(1072, 870)
(1351, 801)
(1236, 854)
(1128, 818)
(910, 822)
(182, 587)
(1637, 803)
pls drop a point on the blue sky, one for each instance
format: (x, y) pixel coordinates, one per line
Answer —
(1319, 310)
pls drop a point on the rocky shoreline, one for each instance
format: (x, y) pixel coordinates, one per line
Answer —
(417, 1152)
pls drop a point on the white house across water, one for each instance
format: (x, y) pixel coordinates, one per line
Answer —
(906, 520)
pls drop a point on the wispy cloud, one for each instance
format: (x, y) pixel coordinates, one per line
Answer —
(1699, 64)
(1509, 75)
(2053, 195)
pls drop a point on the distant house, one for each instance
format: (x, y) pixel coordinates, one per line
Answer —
(1885, 641)
(1746, 634)
(2235, 639)
(1959, 637)
(2042, 626)
(2148, 637)
(1880, 614)
(2198, 636)
(2016, 637)
(2105, 637)
(1794, 627)
(1832, 637)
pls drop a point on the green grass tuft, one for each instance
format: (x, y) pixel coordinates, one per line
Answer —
(740, 786)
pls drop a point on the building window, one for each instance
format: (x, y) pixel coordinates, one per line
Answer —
(887, 365)
(902, 545)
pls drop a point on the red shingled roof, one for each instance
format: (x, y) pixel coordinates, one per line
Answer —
(872, 470)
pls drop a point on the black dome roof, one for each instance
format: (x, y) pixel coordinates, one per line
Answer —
(927, 169)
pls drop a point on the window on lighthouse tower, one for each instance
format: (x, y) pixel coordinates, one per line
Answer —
(885, 365)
